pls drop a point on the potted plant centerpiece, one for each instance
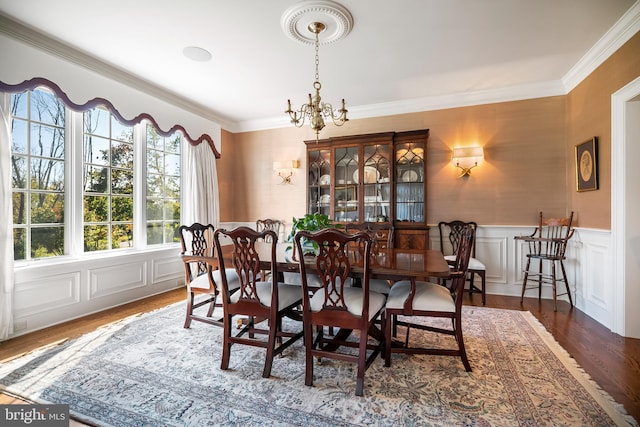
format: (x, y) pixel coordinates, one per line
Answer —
(309, 222)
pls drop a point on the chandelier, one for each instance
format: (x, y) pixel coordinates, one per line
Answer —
(316, 111)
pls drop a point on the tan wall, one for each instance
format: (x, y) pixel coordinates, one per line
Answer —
(589, 115)
(508, 188)
(529, 157)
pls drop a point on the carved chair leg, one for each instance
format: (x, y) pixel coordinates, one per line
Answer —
(484, 286)
(308, 343)
(226, 345)
(461, 348)
(187, 320)
(212, 305)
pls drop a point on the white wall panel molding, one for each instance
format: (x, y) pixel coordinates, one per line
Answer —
(169, 268)
(591, 258)
(32, 297)
(117, 278)
(50, 293)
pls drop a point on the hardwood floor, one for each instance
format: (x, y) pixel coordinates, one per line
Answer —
(612, 361)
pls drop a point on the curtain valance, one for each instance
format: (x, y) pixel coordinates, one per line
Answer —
(92, 103)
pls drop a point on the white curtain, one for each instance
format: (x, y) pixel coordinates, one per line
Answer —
(6, 234)
(200, 202)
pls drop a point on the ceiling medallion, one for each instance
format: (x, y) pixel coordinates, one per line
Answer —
(336, 18)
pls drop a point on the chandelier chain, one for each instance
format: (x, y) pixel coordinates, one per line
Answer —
(317, 57)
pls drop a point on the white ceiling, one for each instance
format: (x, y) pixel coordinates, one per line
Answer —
(400, 56)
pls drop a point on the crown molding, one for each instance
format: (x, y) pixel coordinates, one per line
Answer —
(417, 105)
(626, 27)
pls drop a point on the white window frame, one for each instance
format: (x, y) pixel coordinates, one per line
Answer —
(73, 199)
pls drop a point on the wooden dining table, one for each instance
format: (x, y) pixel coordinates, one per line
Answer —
(392, 264)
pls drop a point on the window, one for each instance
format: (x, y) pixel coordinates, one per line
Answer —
(107, 182)
(163, 187)
(38, 174)
(127, 177)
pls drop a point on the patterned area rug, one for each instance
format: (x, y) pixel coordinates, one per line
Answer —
(150, 371)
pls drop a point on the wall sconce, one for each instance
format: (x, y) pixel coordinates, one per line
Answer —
(286, 169)
(467, 158)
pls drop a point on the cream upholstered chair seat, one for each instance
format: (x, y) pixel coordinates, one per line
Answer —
(287, 294)
(202, 281)
(380, 286)
(474, 263)
(353, 300)
(429, 297)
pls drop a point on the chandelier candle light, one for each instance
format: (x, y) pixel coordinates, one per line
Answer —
(316, 110)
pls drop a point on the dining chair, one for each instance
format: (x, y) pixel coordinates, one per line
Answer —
(426, 299)
(265, 304)
(336, 304)
(548, 243)
(197, 239)
(269, 224)
(449, 237)
(381, 235)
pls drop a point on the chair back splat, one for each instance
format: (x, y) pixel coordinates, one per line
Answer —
(450, 235)
(337, 304)
(269, 224)
(426, 299)
(548, 244)
(264, 303)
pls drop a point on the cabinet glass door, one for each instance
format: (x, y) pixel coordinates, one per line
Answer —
(410, 189)
(319, 182)
(377, 182)
(345, 205)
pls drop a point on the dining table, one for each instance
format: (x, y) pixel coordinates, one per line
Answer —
(392, 263)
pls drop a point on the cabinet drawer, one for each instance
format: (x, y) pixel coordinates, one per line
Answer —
(412, 239)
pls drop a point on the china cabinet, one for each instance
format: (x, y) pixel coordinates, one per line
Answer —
(372, 178)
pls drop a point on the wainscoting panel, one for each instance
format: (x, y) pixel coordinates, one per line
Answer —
(117, 278)
(32, 298)
(494, 256)
(169, 268)
(594, 288)
(49, 292)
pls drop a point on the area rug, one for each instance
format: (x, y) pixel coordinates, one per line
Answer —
(150, 371)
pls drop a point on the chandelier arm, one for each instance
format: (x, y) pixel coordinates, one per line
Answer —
(339, 117)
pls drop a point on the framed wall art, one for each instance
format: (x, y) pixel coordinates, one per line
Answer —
(587, 165)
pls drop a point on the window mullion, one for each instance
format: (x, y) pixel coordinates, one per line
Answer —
(74, 200)
(139, 187)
